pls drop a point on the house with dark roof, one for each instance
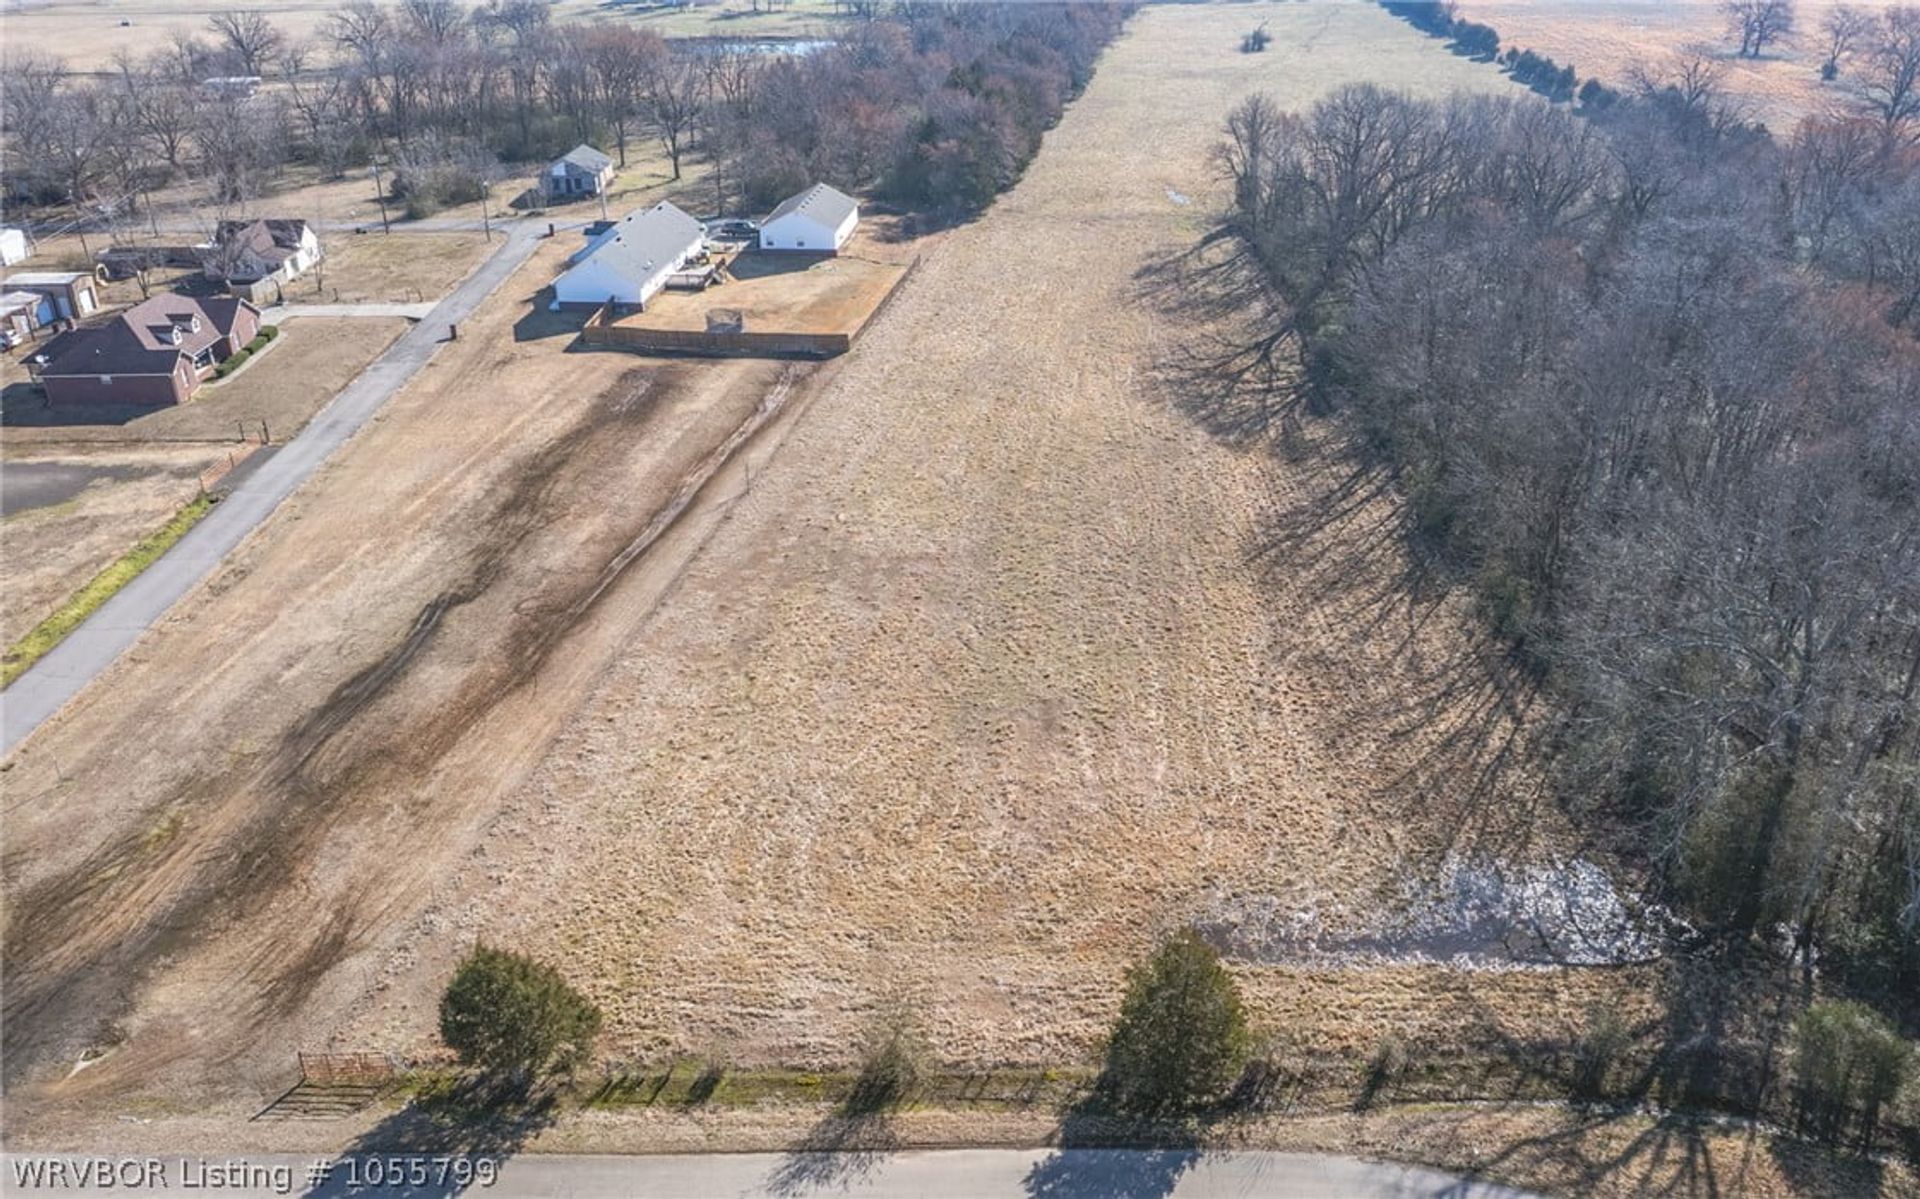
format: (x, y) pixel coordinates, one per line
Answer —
(581, 171)
(246, 253)
(818, 220)
(153, 354)
(632, 258)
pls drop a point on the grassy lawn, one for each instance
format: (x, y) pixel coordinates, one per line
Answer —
(101, 588)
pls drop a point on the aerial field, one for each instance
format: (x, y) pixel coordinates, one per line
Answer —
(1607, 40)
(978, 664)
(89, 33)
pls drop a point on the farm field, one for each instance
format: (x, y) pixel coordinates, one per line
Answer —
(88, 33)
(1609, 39)
(979, 664)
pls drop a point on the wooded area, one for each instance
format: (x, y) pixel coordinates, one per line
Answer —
(939, 106)
(1648, 381)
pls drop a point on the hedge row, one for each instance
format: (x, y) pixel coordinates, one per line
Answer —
(239, 357)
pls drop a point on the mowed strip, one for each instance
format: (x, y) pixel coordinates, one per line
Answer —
(987, 680)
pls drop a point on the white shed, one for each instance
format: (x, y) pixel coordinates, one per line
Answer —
(818, 220)
(632, 260)
(13, 246)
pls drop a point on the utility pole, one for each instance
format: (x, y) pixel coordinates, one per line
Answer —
(380, 194)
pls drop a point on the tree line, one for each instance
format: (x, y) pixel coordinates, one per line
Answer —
(1649, 382)
(1183, 1051)
(937, 105)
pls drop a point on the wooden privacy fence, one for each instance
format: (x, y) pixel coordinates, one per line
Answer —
(340, 1069)
(602, 333)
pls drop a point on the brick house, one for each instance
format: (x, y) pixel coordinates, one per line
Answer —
(153, 354)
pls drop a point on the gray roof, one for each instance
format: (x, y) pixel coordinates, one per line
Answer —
(641, 242)
(587, 158)
(824, 204)
(45, 278)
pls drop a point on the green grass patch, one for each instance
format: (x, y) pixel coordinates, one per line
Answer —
(101, 588)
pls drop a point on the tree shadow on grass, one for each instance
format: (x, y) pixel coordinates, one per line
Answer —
(1338, 538)
(472, 1120)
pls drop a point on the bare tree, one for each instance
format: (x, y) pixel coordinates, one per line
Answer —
(249, 36)
(1890, 73)
(1843, 30)
(674, 93)
(622, 60)
(1758, 23)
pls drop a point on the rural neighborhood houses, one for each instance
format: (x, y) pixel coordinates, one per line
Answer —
(632, 258)
(71, 294)
(581, 171)
(818, 220)
(244, 255)
(155, 353)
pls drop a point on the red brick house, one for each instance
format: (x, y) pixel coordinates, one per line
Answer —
(153, 354)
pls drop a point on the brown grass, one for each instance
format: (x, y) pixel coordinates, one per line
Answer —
(975, 669)
(393, 268)
(1608, 39)
(46, 553)
(88, 33)
(983, 682)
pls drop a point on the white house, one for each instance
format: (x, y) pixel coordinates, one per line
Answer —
(13, 246)
(249, 251)
(581, 171)
(632, 258)
(818, 220)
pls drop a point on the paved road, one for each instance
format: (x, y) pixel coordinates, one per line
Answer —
(933, 1174)
(92, 647)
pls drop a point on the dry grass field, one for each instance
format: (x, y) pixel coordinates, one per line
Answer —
(985, 680)
(1608, 39)
(77, 509)
(372, 267)
(975, 666)
(88, 33)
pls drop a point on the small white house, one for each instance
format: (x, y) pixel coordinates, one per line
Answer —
(581, 171)
(13, 246)
(818, 221)
(632, 259)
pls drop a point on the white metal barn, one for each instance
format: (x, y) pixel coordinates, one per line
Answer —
(632, 258)
(818, 220)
